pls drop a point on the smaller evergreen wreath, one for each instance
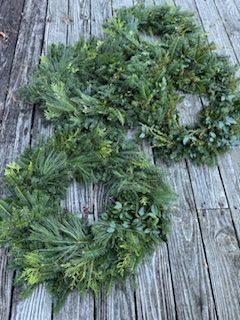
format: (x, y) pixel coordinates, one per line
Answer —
(53, 246)
(94, 93)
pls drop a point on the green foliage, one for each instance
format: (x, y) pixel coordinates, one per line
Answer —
(130, 80)
(48, 243)
(93, 93)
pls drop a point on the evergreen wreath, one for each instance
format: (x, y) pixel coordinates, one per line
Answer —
(93, 93)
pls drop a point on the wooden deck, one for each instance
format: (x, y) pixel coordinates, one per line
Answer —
(196, 274)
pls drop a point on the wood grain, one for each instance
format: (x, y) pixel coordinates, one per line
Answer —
(10, 19)
(204, 177)
(36, 307)
(223, 257)
(229, 163)
(100, 11)
(6, 279)
(213, 25)
(57, 23)
(79, 15)
(191, 281)
(229, 14)
(17, 116)
(118, 305)
(154, 291)
(222, 269)
(155, 297)
(77, 308)
(216, 24)
(230, 171)
(160, 2)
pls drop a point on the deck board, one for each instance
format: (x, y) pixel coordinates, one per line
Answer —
(196, 274)
(10, 19)
(223, 257)
(215, 24)
(154, 292)
(17, 117)
(191, 280)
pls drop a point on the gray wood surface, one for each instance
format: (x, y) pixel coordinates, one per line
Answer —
(38, 306)
(6, 282)
(220, 24)
(229, 164)
(10, 19)
(191, 281)
(204, 177)
(17, 117)
(218, 270)
(79, 16)
(223, 257)
(154, 292)
(196, 274)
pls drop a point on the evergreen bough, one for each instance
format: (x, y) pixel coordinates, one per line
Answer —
(93, 93)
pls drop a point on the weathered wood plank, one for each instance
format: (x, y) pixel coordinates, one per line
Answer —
(118, 305)
(237, 3)
(230, 172)
(57, 23)
(223, 257)
(147, 3)
(37, 306)
(207, 186)
(155, 297)
(230, 15)
(189, 110)
(154, 292)
(229, 163)
(213, 25)
(223, 270)
(17, 117)
(79, 17)
(10, 18)
(192, 287)
(206, 181)
(56, 29)
(117, 4)
(77, 308)
(6, 279)
(100, 11)
(160, 2)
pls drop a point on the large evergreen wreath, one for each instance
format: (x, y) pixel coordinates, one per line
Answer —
(93, 93)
